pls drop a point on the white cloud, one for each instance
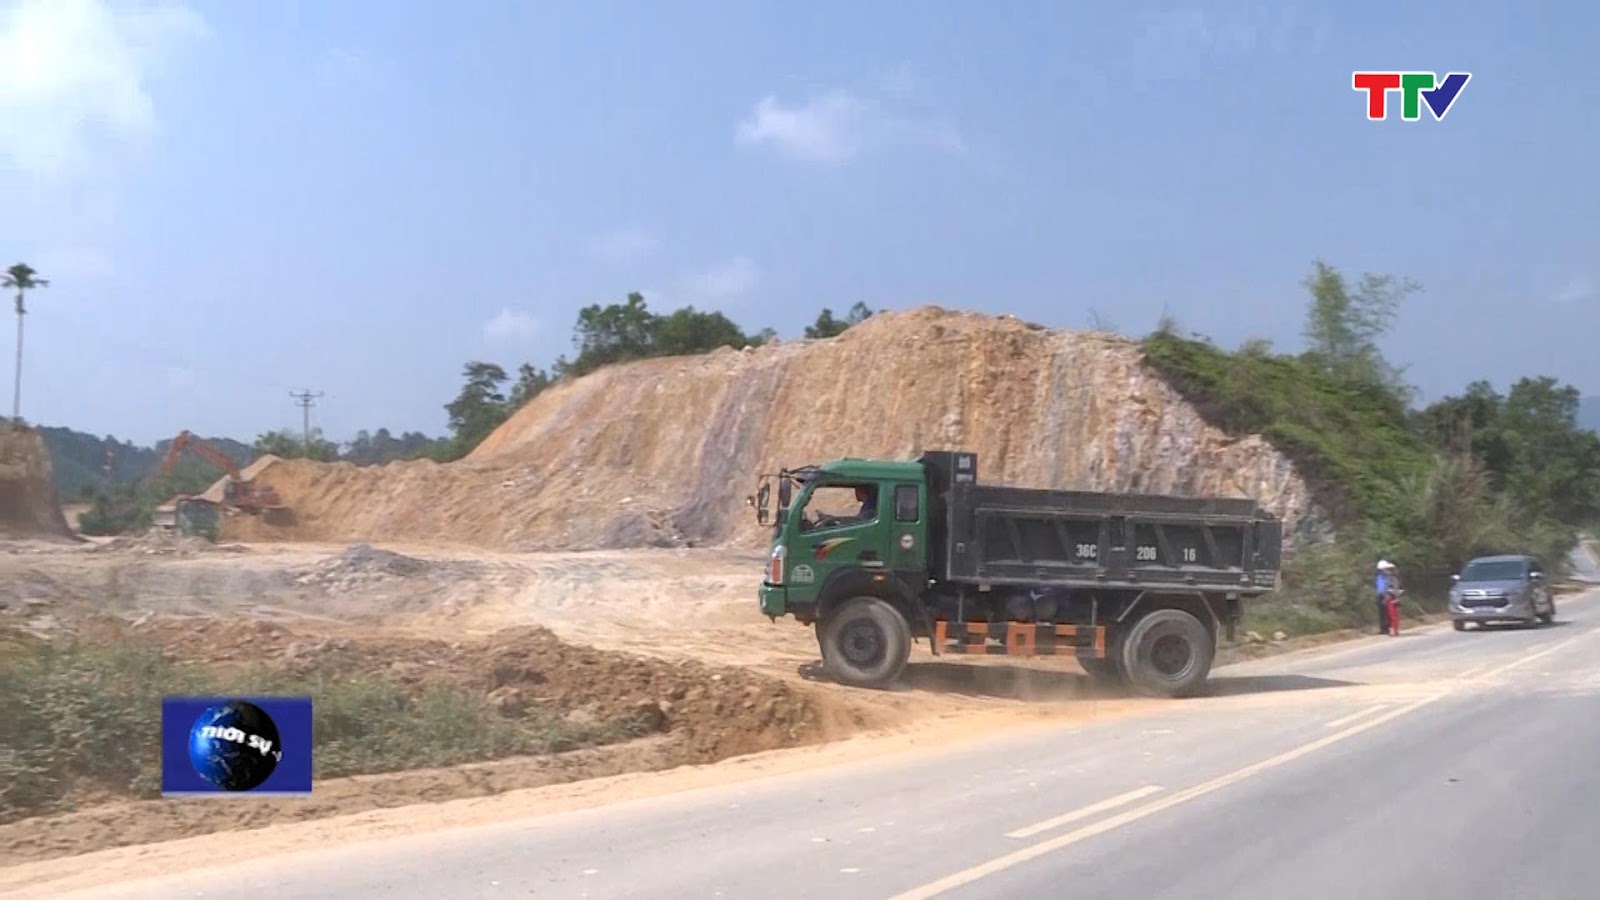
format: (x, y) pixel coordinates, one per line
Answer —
(624, 246)
(509, 324)
(344, 64)
(1577, 290)
(837, 126)
(725, 280)
(74, 70)
(827, 129)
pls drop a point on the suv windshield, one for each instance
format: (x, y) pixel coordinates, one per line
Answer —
(1500, 570)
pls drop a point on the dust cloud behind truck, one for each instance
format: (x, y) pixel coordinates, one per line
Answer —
(1138, 587)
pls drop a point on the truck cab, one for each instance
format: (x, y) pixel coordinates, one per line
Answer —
(849, 519)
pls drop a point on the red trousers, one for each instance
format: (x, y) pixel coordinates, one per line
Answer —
(1392, 605)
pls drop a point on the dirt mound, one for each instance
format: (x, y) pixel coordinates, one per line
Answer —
(662, 452)
(29, 506)
(219, 488)
(606, 713)
(713, 713)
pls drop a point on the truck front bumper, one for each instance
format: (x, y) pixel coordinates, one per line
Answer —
(774, 600)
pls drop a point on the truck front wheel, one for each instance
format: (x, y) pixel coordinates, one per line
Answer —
(1168, 653)
(865, 642)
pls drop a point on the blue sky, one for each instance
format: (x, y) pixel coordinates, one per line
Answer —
(235, 199)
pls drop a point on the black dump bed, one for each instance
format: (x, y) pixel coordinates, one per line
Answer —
(1005, 535)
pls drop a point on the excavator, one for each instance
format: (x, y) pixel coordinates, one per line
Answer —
(239, 493)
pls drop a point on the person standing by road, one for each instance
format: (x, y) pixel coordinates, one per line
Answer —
(1388, 598)
(1387, 583)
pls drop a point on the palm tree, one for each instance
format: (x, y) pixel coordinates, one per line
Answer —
(23, 278)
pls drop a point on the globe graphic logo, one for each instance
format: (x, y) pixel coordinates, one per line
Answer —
(234, 746)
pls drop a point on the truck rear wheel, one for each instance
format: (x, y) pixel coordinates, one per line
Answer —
(1168, 653)
(865, 642)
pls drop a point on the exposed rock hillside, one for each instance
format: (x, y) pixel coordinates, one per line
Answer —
(29, 506)
(663, 451)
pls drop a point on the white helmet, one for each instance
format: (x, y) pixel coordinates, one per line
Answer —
(1384, 565)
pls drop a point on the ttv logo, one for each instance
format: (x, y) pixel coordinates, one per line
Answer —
(1414, 87)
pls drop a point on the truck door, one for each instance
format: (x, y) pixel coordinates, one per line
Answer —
(910, 531)
(837, 526)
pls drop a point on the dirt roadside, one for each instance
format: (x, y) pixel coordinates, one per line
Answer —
(619, 661)
(589, 637)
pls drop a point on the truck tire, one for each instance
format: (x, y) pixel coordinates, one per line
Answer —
(1168, 653)
(1106, 670)
(865, 642)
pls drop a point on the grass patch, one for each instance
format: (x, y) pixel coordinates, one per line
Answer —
(1349, 440)
(81, 718)
(1390, 492)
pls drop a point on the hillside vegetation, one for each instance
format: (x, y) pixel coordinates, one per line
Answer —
(1429, 489)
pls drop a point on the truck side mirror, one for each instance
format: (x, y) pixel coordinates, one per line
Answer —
(759, 501)
(1455, 576)
(1536, 575)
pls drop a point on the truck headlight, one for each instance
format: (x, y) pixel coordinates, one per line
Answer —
(775, 565)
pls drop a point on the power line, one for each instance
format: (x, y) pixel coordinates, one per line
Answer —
(306, 399)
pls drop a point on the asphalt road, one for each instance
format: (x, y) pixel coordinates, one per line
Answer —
(1435, 764)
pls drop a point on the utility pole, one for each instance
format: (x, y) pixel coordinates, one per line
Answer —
(306, 399)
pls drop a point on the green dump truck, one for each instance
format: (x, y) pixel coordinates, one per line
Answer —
(1138, 587)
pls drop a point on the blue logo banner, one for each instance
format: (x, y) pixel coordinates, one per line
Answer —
(235, 745)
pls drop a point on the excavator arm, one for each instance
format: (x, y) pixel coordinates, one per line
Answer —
(201, 449)
(240, 493)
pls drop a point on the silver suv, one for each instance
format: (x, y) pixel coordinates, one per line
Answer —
(1501, 589)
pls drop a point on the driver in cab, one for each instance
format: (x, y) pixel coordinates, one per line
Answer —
(866, 495)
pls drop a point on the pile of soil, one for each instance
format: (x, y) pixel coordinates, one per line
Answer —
(663, 452)
(712, 713)
(690, 713)
(29, 505)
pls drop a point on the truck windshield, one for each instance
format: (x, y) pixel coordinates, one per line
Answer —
(1500, 570)
(835, 505)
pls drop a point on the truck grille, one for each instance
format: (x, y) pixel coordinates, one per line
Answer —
(1482, 599)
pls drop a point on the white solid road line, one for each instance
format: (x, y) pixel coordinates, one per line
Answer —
(967, 876)
(1085, 812)
(1362, 714)
(1016, 858)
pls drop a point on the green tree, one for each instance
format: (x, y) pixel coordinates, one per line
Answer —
(21, 278)
(612, 334)
(628, 331)
(1343, 325)
(1556, 468)
(1470, 423)
(479, 408)
(687, 331)
(1530, 444)
(827, 326)
(531, 382)
(286, 444)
